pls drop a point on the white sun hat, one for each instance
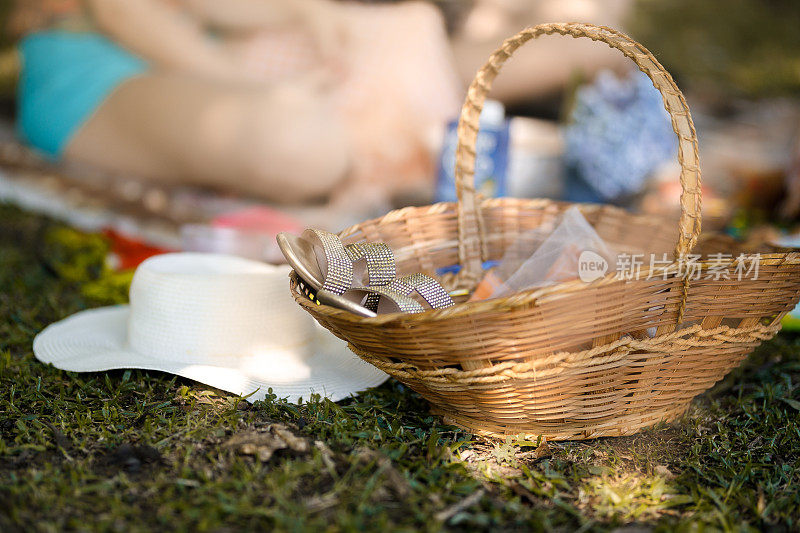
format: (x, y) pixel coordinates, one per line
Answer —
(221, 320)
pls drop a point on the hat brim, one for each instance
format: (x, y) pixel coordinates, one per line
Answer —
(96, 340)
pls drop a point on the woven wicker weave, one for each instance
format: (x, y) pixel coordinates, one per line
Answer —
(574, 360)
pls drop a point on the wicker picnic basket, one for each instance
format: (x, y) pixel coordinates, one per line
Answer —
(574, 360)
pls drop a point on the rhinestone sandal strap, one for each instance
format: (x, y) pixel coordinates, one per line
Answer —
(339, 272)
(427, 287)
(405, 304)
(378, 258)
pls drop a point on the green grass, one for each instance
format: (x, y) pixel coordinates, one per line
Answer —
(136, 450)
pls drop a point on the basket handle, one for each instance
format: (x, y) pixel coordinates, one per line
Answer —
(471, 237)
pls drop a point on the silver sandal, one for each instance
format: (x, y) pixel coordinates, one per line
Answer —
(359, 277)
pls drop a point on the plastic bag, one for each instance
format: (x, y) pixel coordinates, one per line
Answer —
(548, 255)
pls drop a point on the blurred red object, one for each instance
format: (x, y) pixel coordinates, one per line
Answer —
(127, 252)
(258, 219)
(248, 232)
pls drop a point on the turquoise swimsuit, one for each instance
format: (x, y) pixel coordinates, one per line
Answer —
(65, 77)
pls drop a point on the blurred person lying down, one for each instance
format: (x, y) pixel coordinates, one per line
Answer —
(288, 100)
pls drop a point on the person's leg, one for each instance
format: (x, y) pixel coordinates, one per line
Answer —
(281, 143)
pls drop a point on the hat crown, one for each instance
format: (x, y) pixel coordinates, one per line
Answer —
(192, 307)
